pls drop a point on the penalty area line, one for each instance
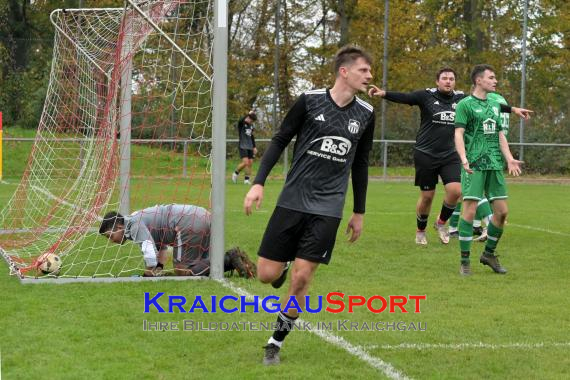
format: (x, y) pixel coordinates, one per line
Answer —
(62, 201)
(356, 350)
(538, 229)
(464, 346)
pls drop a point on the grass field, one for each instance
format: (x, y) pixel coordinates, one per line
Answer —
(486, 326)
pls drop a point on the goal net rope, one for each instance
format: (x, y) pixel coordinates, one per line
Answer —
(143, 71)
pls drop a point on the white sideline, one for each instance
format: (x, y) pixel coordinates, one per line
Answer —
(538, 229)
(358, 351)
(461, 346)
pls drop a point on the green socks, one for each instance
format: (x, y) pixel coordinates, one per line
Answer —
(465, 239)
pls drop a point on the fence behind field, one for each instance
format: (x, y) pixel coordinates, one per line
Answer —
(540, 158)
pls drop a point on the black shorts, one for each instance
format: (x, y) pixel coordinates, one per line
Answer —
(243, 153)
(429, 168)
(291, 234)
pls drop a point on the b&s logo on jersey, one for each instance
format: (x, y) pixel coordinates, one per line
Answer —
(331, 148)
(444, 117)
(353, 126)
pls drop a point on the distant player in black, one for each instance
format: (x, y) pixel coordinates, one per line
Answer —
(434, 152)
(334, 131)
(247, 149)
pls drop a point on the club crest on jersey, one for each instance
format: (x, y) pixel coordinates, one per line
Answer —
(496, 111)
(454, 105)
(353, 126)
(489, 126)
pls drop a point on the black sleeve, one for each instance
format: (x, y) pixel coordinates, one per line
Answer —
(410, 98)
(505, 108)
(239, 124)
(360, 167)
(289, 128)
(253, 139)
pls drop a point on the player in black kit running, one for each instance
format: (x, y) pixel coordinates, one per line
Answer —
(334, 131)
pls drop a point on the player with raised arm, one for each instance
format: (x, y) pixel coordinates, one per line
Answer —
(434, 151)
(247, 148)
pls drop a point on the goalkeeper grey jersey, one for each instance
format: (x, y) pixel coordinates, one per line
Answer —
(158, 224)
(331, 141)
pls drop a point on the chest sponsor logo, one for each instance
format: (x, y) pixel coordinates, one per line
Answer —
(489, 126)
(445, 116)
(353, 126)
(331, 148)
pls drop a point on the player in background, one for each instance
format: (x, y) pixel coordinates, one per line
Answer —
(484, 212)
(247, 148)
(434, 151)
(483, 150)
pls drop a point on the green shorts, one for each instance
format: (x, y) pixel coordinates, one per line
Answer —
(489, 183)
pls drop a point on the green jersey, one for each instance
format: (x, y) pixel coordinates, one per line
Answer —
(482, 122)
(504, 115)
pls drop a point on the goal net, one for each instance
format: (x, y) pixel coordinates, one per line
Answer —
(126, 125)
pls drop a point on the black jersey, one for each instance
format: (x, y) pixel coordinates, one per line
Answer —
(245, 131)
(331, 140)
(437, 127)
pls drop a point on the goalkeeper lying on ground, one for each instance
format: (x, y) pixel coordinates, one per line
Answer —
(186, 228)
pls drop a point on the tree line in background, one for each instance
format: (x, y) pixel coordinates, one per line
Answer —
(424, 36)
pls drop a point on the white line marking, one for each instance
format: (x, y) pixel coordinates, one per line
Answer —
(358, 351)
(538, 229)
(63, 201)
(4, 182)
(463, 346)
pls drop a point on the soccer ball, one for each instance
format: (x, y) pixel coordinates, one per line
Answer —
(50, 264)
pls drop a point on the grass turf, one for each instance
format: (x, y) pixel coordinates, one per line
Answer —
(95, 330)
(513, 326)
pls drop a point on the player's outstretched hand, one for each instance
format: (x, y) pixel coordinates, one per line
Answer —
(522, 112)
(255, 194)
(515, 167)
(376, 91)
(354, 227)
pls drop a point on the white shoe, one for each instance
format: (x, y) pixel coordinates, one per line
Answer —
(234, 177)
(246, 182)
(483, 237)
(443, 232)
(421, 238)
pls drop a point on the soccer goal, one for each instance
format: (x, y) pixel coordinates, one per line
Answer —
(127, 124)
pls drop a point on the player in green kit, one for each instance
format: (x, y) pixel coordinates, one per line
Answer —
(484, 211)
(481, 145)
